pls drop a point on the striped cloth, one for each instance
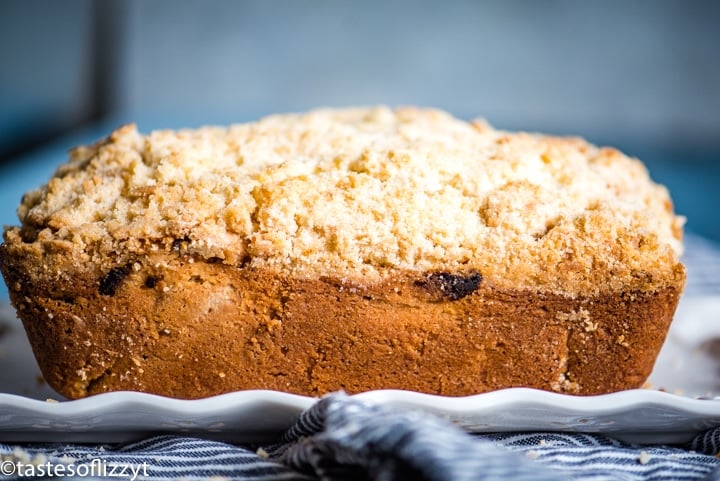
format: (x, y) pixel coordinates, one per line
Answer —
(342, 438)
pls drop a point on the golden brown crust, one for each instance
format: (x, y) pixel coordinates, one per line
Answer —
(178, 326)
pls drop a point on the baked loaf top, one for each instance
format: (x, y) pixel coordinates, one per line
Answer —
(363, 193)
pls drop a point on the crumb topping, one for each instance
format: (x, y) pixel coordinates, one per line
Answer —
(360, 193)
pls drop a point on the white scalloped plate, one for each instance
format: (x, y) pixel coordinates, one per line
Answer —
(686, 365)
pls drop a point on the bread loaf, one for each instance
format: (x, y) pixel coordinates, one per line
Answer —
(351, 249)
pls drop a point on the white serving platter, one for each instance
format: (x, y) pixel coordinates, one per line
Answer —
(679, 403)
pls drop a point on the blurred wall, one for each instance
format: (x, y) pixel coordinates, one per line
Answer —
(46, 70)
(643, 75)
(644, 70)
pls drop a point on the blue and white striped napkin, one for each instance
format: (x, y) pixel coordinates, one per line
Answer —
(342, 438)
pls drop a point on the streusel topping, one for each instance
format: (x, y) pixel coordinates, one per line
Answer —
(363, 193)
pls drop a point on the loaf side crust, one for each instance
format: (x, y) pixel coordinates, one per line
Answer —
(176, 325)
